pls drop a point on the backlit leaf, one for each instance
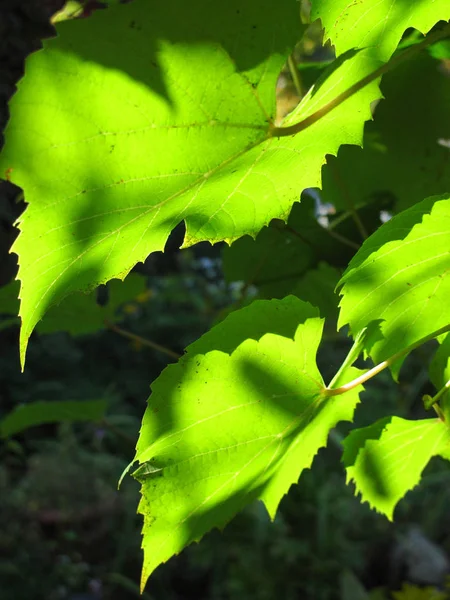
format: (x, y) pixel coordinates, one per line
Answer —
(222, 430)
(386, 459)
(399, 280)
(115, 144)
(376, 24)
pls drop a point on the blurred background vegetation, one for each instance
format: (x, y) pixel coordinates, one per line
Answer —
(66, 533)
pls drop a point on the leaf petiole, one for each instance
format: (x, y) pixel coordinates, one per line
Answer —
(329, 391)
(429, 401)
(353, 354)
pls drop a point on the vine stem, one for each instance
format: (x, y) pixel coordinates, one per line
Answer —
(348, 199)
(341, 238)
(141, 340)
(359, 85)
(353, 354)
(429, 402)
(329, 391)
(295, 75)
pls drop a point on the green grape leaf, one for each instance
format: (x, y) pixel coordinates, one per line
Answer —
(36, 413)
(399, 280)
(375, 24)
(254, 321)
(386, 459)
(125, 141)
(79, 314)
(405, 155)
(222, 430)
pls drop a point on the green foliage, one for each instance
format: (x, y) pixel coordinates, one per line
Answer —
(79, 314)
(374, 24)
(148, 114)
(282, 253)
(440, 365)
(235, 177)
(210, 456)
(412, 592)
(39, 412)
(407, 162)
(386, 459)
(401, 278)
(105, 220)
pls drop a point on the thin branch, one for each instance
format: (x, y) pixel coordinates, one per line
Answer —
(285, 227)
(333, 234)
(381, 366)
(295, 75)
(353, 354)
(348, 200)
(438, 411)
(359, 85)
(341, 238)
(430, 401)
(141, 340)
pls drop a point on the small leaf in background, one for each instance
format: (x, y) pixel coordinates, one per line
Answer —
(222, 430)
(36, 413)
(386, 459)
(415, 592)
(351, 588)
(401, 278)
(375, 24)
(403, 158)
(79, 313)
(280, 255)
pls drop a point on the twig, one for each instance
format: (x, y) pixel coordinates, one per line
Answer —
(141, 340)
(348, 199)
(342, 238)
(295, 75)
